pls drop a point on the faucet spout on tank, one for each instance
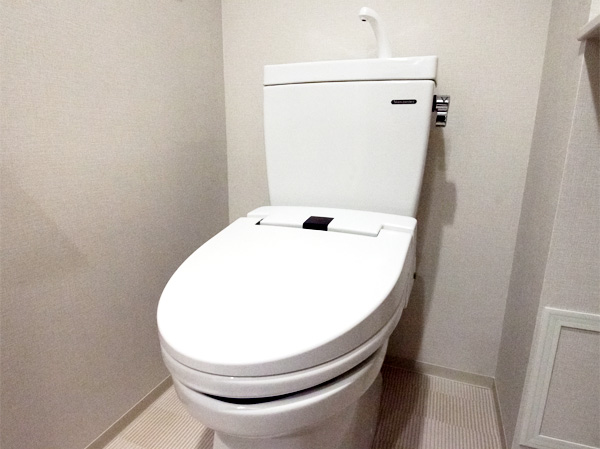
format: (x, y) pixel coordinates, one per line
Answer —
(384, 49)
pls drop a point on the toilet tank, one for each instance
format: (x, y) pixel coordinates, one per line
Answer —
(348, 134)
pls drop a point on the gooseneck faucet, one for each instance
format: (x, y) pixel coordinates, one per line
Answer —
(384, 49)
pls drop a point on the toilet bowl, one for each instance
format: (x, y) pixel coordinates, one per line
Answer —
(323, 416)
(288, 377)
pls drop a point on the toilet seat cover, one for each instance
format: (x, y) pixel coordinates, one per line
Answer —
(269, 298)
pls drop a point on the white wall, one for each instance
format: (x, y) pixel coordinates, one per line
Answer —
(491, 56)
(572, 274)
(560, 84)
(113, 171)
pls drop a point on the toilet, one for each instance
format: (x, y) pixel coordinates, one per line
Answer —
(275, 330)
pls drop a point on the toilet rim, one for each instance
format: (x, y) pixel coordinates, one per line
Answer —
(287, 414)
(280, 384)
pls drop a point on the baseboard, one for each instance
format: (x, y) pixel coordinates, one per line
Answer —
(440, 371)
(499, 416)
(130, 415)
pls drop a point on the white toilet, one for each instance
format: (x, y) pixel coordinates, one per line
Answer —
(275, 330)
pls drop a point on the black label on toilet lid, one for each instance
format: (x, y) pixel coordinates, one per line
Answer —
(317, 223)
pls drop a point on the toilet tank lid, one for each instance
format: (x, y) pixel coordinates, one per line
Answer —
(266, 297)
(374, 69)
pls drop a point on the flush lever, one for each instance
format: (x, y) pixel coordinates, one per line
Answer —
(441, 104)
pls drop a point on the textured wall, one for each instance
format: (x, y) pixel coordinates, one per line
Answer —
(572, 276)
(491, 56)
(563, 65)
(113, 171)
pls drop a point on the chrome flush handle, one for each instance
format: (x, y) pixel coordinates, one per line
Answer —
(441, 104)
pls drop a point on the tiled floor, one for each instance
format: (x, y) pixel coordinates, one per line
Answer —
(418, 412)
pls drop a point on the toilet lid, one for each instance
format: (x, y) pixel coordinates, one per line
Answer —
(266, 296)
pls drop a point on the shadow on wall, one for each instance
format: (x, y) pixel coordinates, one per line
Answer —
(34, 248)
(592, 62)
(437, 206)
(36, 253)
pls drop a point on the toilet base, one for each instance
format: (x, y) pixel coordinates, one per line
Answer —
(353, 428)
